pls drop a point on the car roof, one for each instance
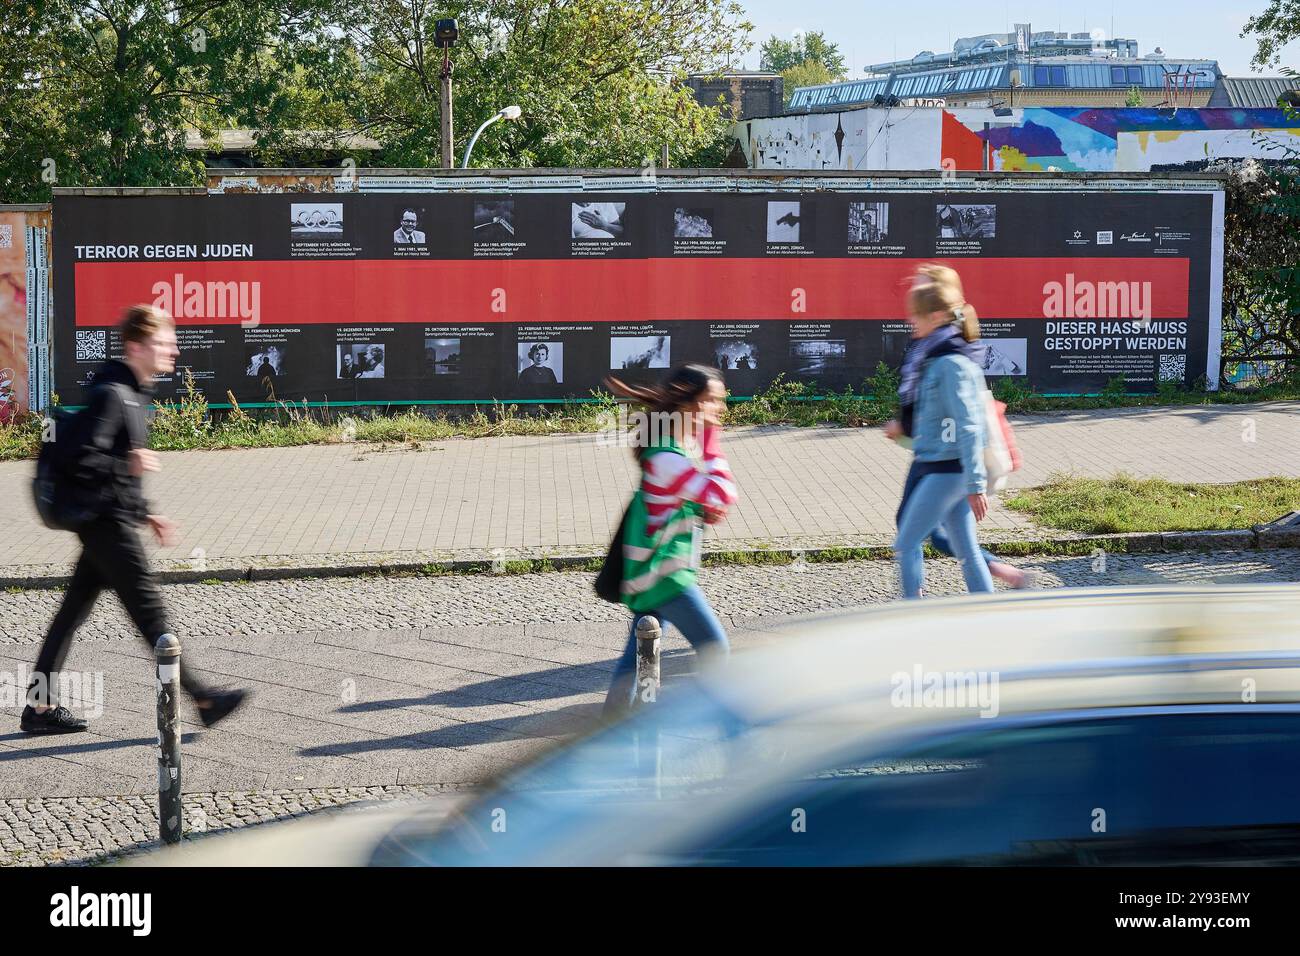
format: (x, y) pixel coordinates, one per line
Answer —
(1105, 646)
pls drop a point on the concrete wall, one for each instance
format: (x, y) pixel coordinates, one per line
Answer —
(1054, 139)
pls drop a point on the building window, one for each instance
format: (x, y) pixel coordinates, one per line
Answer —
(1049, 76)
(1117, 75)
(1135, 75)
(1042, 76)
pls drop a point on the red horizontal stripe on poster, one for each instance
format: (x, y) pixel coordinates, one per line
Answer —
(385, 292)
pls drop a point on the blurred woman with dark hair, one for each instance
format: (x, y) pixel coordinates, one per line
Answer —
(685, 483)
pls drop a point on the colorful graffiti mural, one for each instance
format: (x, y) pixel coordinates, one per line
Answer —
(1046, 139)
(13, 315)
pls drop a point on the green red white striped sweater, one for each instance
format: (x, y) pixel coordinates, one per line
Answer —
(661, 544)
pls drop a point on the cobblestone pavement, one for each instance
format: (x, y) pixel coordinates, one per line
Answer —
(382, 687)
(87, 830)
(559, 492)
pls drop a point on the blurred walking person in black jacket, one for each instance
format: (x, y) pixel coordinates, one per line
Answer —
(109, 456)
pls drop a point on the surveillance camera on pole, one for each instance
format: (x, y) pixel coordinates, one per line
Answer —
(445, 35)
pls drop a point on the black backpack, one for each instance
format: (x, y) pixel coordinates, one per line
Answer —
(63, 502)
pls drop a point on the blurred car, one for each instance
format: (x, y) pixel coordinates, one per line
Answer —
(1134, 726)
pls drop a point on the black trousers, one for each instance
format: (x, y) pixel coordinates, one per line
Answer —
(112, 557)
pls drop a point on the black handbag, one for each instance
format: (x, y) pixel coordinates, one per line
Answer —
(609, 580)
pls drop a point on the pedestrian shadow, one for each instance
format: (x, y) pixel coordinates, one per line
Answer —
(47, 750)
(563, 722)
(556, 682)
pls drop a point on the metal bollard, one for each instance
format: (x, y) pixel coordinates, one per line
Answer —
(647, 661)
(170, 813)
(648, 749)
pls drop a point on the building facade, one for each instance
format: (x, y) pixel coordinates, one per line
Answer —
(745, 93)
(1023, 68)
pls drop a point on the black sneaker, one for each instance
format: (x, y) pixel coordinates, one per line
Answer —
(220, 705)
(58, 720)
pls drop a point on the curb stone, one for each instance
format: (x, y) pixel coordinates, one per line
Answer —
(1283, 533)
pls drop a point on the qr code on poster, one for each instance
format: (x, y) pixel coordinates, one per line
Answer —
(1173, 368)
(7, 236)
(92, 346)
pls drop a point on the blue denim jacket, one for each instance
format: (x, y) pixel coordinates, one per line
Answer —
(949, 406)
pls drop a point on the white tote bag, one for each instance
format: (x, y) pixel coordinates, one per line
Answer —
(997, 460)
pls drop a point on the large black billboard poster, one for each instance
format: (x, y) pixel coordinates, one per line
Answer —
(453, 297)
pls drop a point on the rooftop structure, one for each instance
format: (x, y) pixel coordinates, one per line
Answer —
(1024, 68)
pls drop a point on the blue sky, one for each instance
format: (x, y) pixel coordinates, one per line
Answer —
(870, 32)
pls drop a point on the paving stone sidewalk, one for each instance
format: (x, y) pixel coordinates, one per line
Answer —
(801, 487)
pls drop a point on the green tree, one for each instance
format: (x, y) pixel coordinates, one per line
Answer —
(599, 81)
(102, 93)
(779, 55)
(808, 73)
(1273, 29)
(1134, 97)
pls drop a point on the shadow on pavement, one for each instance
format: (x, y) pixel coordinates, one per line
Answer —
(49, 748)
(564, 681)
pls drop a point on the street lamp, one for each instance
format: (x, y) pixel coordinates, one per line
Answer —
(509, 113)
(445, 35)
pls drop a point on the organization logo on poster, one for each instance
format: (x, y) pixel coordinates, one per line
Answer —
(1135, 237)
(1105, 237)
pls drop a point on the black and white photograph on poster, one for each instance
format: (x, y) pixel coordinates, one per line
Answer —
(639, 351)
(442, 356)
(895, 337)
(1005, 356)
(815, 357)
(868, 222)
(360, 360)
(966, 222)
(411, 225)
(735, 355)
(316, 219)
(265, 361)
(692, 223)
(494, 220)
(541, 363)
(598, 220)
(785, 222)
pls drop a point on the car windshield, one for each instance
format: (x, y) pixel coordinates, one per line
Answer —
(659, 760)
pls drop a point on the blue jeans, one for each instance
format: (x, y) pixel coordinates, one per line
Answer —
(937, 538)
(939, 500)
(690, 613)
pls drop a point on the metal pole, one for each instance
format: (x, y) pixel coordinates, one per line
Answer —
(170, 814)
(647, 661)
(448, 160)
(649, 758)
